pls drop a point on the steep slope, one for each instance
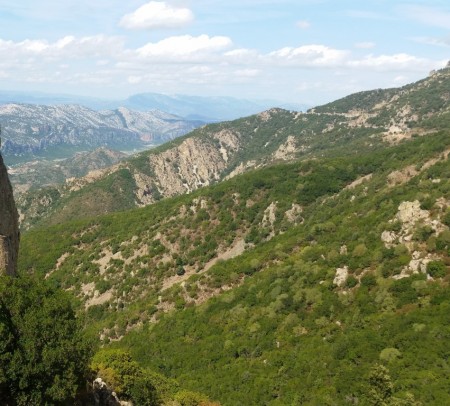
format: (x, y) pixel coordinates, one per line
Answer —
(219, 151)
(9, 229)
(54, 130)
(285, 285)
(40, 173)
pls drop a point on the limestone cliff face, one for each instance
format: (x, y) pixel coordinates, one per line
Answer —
(193, 164)
(9, 230)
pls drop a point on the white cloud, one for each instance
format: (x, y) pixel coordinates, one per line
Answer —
(242, 56)
(134, 80)
(247, 73)
(184, 46)
(365, 45)
(157, 14)
(102, 62)
(394, 62)
(309, 55)
(67, 47)
(195, 63)
(303, 24)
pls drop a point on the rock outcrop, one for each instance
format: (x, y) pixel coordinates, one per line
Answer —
(9, 230)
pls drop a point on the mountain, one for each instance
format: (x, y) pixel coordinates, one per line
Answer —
(261, 289)
(204, 108)
(359, 123)
(52, 131)
(189, 107)
(40, 173)
(308, 264)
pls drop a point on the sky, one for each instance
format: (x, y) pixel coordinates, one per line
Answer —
(297, 51)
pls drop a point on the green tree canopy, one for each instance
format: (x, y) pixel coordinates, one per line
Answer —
(43, 353)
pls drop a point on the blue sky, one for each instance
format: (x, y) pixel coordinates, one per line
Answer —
(304, 51)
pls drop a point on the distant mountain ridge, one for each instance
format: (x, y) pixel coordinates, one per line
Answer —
(219, 151)
(43, 130)
(205, 108)
(192, 107)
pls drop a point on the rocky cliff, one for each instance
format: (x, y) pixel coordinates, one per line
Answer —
(9, 230)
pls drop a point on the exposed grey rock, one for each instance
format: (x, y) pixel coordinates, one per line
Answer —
(9, 230)
(341, 276)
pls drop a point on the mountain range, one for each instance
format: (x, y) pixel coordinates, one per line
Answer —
(60, 130)
(189, 107)
(220, 151)
(284, 258)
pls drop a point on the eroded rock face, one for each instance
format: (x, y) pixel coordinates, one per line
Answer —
(341, 276)
(9, 229)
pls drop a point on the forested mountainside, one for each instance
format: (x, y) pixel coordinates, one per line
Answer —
(298, 283)
(58, 131)
(320, 276)
(220, 151)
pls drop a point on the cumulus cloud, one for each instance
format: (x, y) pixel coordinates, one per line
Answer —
(247, 73)
(157, 14)
(197, 61)
(310, 55)
(394, 62)
(71, 47)
(203, 49)
(184, 46)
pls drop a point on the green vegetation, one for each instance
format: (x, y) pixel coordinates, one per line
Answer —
(321, 281)
(284, 329)
(140, 385)
(43, 353)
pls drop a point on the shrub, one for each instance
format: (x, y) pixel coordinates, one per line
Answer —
(423, 233)
(390, 354)
(446, 218)
(188, 398)
(436, 269)
(124, 376)
(359, 251)
(369, 280)
(351, 281)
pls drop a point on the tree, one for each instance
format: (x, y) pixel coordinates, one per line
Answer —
(381, 386)
(125, 376)
(43, 353)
